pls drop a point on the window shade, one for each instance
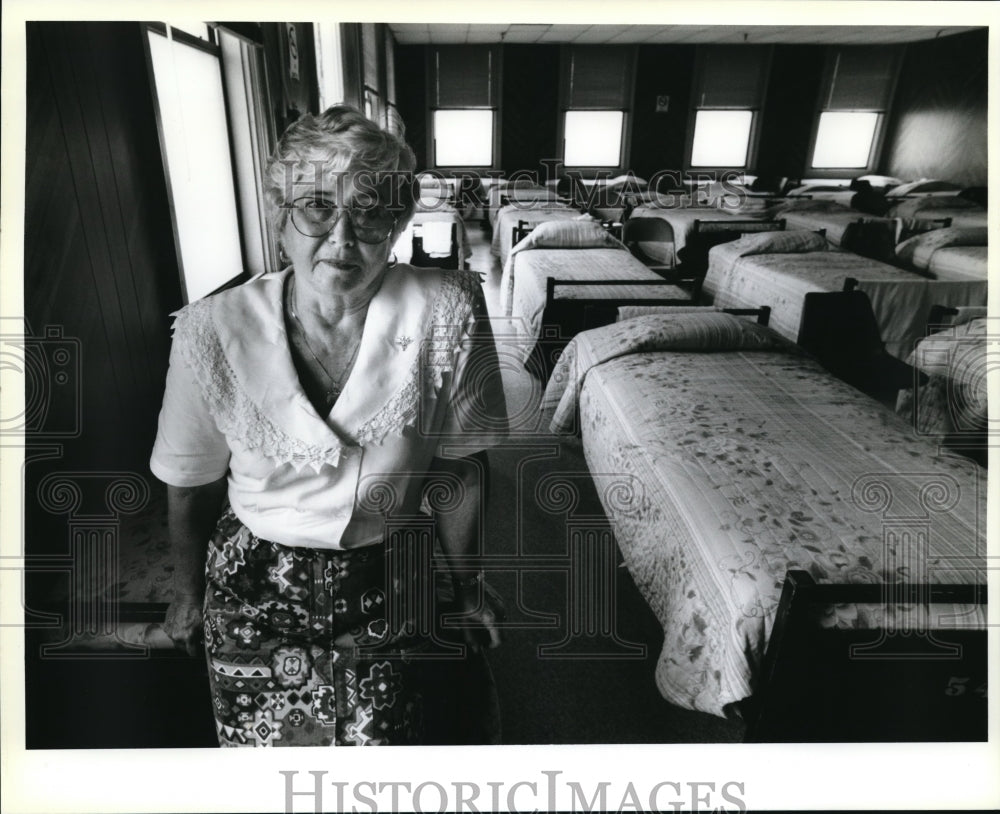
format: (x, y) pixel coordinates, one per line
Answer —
(860, 78)
(463, 76)
(731, 76)
(370, 48)
(598, 77)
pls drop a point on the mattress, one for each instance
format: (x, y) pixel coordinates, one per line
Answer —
(742, 465)
(900, 299)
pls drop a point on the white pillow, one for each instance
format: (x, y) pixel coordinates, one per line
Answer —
(569, 234)
(795, 241)
(925, 186)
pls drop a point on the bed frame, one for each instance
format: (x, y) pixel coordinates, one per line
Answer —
(919, 226)
(563, 319)
(840, 330)
(708, 233)
(828, 684)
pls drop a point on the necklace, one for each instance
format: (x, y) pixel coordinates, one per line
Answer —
(336, 383)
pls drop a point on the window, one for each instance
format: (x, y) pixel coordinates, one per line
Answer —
(721, 138)
(187, 75)
(596, 96)
(857, 87)
(216, 132)
(463, 101)
(329, 64)
(593, 138)
(844, 140)
(463, 138)
(728, 94)
(253, 136)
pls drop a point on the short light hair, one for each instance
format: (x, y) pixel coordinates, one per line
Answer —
(339, 140)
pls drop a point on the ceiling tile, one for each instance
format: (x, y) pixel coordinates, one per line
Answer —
(690, 34)
(526, 33)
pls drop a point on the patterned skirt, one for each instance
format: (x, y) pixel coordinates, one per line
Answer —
(302, 651)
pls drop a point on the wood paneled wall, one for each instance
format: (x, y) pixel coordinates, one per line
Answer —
(291, 96)
(530, 95)
(790, 110)
(99, 252)
(411, 98)
(938, 124)
(658, 139)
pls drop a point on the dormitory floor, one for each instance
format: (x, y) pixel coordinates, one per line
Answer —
(610, 696)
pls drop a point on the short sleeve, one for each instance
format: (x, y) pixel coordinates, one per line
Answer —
(476, 414)
(190, 450)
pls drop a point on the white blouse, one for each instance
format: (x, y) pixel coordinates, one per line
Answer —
(426, 376)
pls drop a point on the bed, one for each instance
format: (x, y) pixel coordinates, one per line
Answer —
(608, 199)
(953, 253)
(778, 269)
(838, 193)
(574, 253)
(844, 227)
(950, 405)
(682, 222)
(744, 461)
(961, 211)
(521, 193)
(511, 215)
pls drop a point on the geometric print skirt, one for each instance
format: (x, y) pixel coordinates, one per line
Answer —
(299, 647)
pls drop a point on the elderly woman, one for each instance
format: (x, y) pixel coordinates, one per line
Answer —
(305, 415)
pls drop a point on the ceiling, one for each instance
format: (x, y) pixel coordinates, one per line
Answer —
(451, 33)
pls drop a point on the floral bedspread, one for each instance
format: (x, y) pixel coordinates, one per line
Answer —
(745, 464)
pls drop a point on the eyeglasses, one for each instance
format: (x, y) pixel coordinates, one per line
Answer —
(316, 217)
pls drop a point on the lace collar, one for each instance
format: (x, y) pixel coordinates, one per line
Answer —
(236, 343)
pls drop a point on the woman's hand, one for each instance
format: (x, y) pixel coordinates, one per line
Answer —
(192, 512)
(184, 622)
(481, 620)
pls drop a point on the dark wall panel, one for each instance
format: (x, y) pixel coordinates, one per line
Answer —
(99, 257)
(530, 106)
(789, 110)
(291, 96)
(411, 98)
(938, 123)
(658, 139)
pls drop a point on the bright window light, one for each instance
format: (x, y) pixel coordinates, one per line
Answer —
(593, 138)
(463, 138)
(844, 140)
(721, 138)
